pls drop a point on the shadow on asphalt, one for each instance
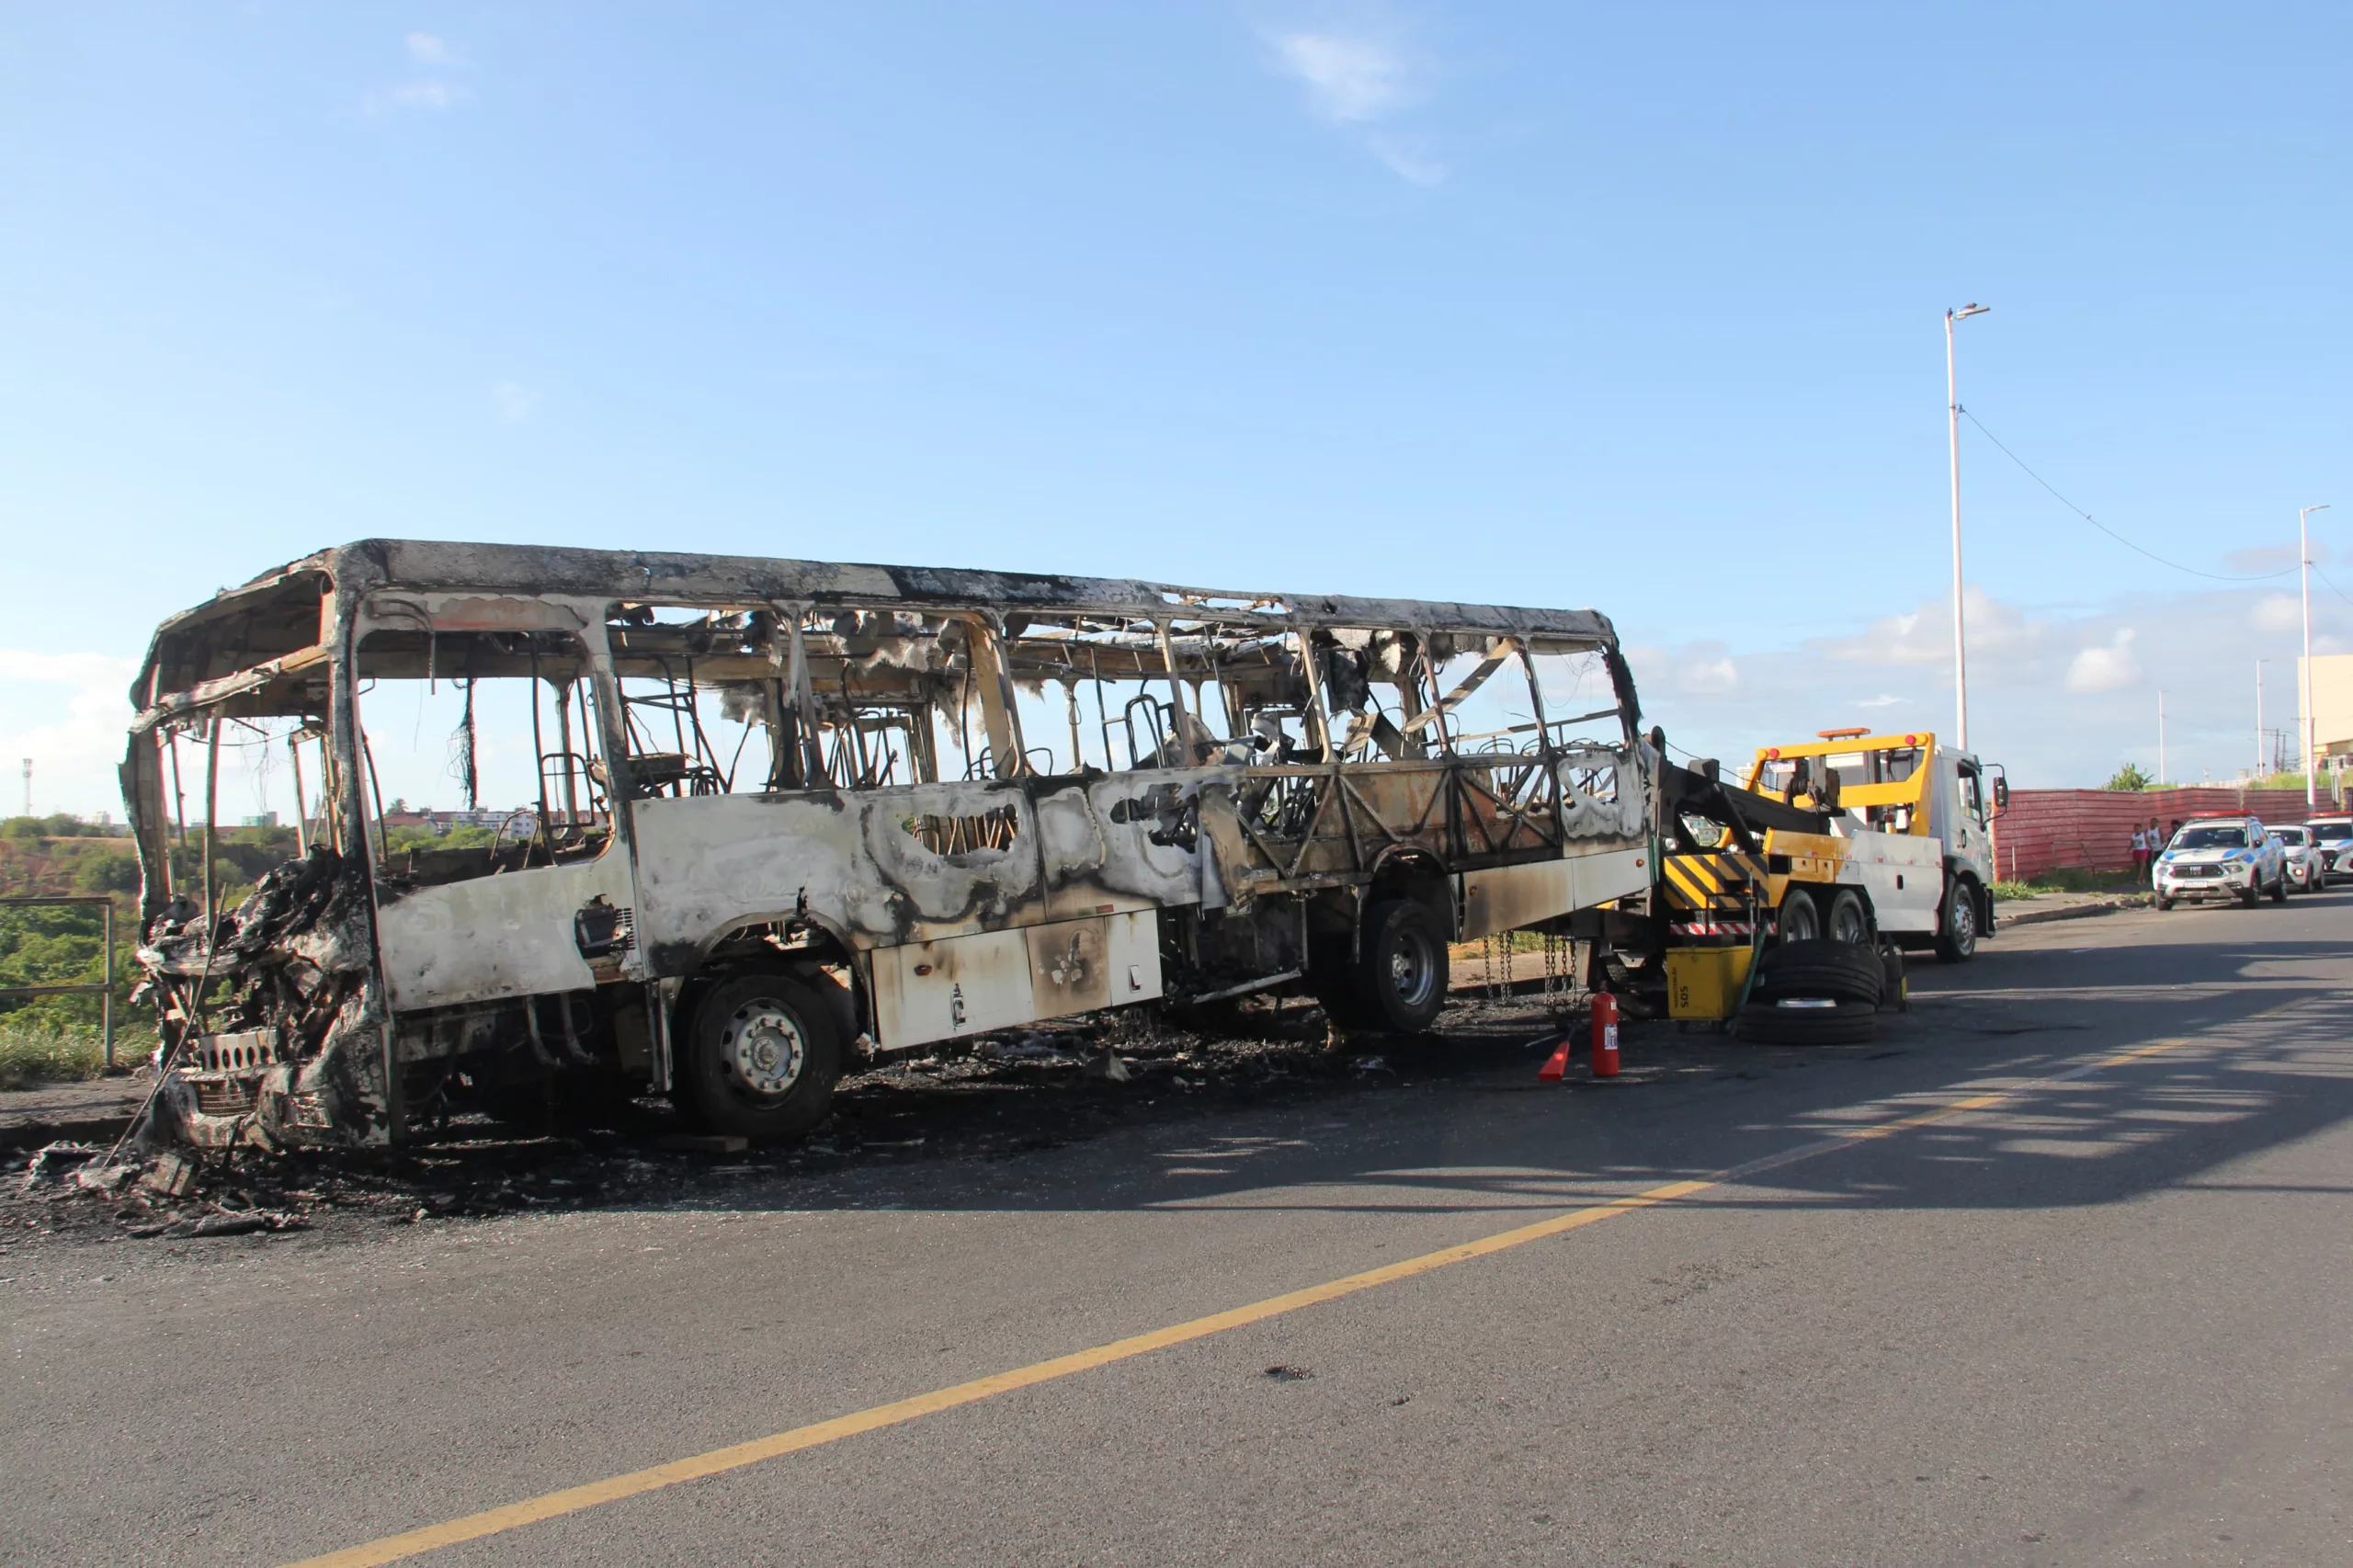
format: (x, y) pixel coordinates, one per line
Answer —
(1457, 1123)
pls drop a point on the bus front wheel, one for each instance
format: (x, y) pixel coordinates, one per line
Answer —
(762, 1055)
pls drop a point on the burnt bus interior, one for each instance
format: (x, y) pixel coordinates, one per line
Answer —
(1400, 747)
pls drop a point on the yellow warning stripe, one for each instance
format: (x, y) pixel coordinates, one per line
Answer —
(1686, 883)
(1711, 881)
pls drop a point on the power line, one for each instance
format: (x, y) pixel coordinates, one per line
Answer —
(2217, 576)
(2333, 587)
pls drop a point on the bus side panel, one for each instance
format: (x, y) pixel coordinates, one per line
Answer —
(493, 938)
(708, 863)
(860, 864)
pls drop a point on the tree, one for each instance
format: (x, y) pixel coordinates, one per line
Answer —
(2129, 776)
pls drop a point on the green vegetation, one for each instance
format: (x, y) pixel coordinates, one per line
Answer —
(2071, 879)
(48, 1037)
(2327, 795)
(2129, 776)
(38, 1051)
(58, 1036)
(398, 838)
(58, 826)
(53, 1038)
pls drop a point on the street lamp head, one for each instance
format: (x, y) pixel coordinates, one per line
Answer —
(1971, 309)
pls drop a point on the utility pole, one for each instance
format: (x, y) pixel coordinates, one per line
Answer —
(2161, 737)
(29, 785)
(1952, 420)
(2258, 719)
(2304, 554)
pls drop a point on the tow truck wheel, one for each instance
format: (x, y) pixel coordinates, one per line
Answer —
(1849, 922)
(1957, 929)
(762, 1056)
(1801, 917)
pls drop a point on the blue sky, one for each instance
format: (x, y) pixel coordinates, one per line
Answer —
(1637, 308)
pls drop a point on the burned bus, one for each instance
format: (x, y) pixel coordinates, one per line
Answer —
(756, 819)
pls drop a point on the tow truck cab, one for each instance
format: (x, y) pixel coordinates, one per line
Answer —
(1909, 786)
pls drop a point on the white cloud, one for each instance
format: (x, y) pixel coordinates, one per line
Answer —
(2257, 559)
(2060, 694)
(1703, 670)
(430, 92)
(423, 95)
(1994, 628)
(1348, 79)
(514, 400)
(68, 712)
(1358, 79)
(2106, 669)
(2278, 612)
(1708, 677)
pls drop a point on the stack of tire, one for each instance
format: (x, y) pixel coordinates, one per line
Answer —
(1819, 992)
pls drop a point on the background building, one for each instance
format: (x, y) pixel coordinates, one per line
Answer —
(2332, 710)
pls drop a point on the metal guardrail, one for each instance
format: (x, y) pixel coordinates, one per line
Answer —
(104, 989)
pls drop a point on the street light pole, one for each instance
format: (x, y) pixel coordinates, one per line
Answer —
(1952, 420)
(2304, 555)
(2259, 770)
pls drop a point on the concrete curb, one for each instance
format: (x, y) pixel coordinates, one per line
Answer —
(2072, 912)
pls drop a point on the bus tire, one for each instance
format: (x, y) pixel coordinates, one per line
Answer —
(763, 1052)
(1401, 968)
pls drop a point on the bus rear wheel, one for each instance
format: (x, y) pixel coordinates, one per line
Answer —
(1400, 978)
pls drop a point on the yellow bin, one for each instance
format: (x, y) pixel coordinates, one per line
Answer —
(1704, 982)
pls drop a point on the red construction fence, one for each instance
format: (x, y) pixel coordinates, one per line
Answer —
(2045, 830)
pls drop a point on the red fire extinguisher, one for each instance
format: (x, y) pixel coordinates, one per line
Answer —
(1605, 1035)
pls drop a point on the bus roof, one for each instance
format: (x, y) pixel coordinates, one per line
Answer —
(668, 577)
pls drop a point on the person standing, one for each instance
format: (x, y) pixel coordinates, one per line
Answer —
(2139, 853)
(2157, 842)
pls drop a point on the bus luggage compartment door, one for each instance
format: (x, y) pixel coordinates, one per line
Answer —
(995, 980)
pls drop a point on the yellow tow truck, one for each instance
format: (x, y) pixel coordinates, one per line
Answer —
(1879, 840)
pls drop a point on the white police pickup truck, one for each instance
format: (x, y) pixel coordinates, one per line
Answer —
(2218, 858)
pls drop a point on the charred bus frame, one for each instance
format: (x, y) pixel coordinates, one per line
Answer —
(1284, 795)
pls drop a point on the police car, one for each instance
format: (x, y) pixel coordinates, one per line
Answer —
(2218, 858)
(2333, 846)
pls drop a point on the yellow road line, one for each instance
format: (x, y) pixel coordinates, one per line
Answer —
(570, 1500)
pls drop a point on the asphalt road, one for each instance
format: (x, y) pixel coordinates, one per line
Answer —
(2090, 1319)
